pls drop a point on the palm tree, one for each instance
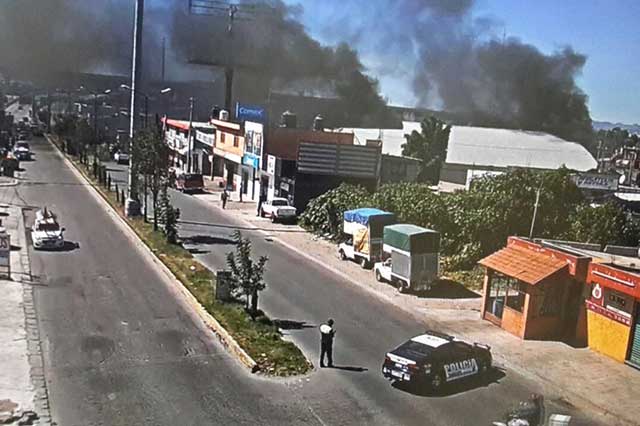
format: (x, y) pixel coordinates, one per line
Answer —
(430, 146)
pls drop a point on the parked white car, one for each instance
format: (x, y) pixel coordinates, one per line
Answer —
(121, 157)
(46, 232)
(278, 209)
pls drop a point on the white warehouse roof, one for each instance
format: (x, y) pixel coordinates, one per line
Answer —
(480, 146)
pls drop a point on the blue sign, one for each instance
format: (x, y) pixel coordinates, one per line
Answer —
(250, 113)
(251, 160)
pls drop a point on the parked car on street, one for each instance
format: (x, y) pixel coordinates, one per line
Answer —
(189, 182)
(278, 209)
(434, 359)
(21, 151)
(46, 232)
(121, 157)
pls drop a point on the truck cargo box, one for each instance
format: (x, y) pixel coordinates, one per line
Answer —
(411, 239)
(374, 219)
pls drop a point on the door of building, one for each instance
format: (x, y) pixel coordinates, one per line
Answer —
(634, 353)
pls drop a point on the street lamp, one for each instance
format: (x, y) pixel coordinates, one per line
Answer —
(95, 108)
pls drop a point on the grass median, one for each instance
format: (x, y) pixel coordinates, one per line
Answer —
(261, 339)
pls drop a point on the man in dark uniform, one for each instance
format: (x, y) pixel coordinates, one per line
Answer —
(327, 333)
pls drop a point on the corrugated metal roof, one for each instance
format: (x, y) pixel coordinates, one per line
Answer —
(515, 148)
(482, 146)
(522, 264)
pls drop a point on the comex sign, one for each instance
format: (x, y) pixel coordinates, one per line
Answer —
(250, 113)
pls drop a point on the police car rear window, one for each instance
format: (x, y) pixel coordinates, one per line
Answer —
(417, 348)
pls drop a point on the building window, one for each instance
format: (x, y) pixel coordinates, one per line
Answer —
(235, 141)
(505, 291)
(515, 295)
(222, 137)
(618, 302)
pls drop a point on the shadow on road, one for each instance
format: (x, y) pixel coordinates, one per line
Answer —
(493, 376)
(198, 251)
(15, 248)
(291, 324)
(207, 239)
(68, 246)
(350, 368)
(448, 289)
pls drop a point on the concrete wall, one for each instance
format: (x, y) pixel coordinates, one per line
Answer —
(607, 336)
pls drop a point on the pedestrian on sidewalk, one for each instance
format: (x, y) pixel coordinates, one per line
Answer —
(224, 197)
(262, 199)
(327, 333)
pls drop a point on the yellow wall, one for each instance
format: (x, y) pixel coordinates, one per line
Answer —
(607, 336)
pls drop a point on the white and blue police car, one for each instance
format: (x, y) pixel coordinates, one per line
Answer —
(435, 359)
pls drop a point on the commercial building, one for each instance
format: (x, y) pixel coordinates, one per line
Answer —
(534, 291)
(302, 164)
(227, 154)
(476, 151)
(567, 291)
(177, 138)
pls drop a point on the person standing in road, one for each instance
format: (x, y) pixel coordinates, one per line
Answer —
(327, 333)
(224, 197)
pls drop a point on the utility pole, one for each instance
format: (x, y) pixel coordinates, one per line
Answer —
(228, 72)
(164, 55)
(190, 134)
(535, 211)
(132, 205)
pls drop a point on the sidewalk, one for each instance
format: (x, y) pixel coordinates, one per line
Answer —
(580, 376)
(23, 392)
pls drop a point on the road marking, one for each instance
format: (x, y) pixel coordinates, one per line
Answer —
(312, 411)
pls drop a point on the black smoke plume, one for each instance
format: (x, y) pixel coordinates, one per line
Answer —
(270, 50)
(465, 64)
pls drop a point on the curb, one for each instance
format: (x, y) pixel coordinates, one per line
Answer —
(212, 324)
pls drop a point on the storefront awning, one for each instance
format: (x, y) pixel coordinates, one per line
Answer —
(523, 264)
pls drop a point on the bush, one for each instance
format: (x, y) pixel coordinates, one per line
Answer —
(324, 214)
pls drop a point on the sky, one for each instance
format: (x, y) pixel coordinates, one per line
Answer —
(608, 32)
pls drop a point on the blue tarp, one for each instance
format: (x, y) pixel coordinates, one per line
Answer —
(363, 216)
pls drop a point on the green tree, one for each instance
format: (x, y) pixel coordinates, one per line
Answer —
(152, 156)
(430, 146)
(246, 274)
(169, 215)
(604, 224)
(324, 214)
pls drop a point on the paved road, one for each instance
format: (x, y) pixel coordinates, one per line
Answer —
(306, 294)
(119, 350)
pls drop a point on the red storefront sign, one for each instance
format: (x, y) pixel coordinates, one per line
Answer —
(608, 313)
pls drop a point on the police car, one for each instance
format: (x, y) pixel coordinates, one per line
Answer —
(435, 359)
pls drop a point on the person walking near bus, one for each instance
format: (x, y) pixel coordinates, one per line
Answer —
(327, 333)
(224, 197)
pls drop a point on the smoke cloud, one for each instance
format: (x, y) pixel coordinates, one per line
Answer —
(463, 64)
(454, 60)
(270, 50)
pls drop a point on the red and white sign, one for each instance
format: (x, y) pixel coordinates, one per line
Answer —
(622, 319)
(596, 292)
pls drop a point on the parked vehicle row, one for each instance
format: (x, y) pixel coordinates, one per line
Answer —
(404, 255)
